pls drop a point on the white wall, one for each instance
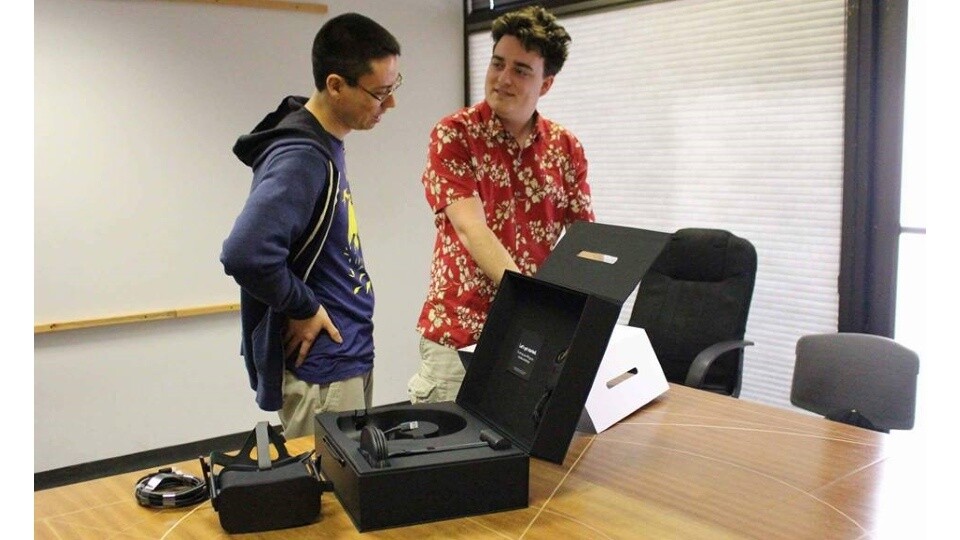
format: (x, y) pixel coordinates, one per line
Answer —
(137, 105)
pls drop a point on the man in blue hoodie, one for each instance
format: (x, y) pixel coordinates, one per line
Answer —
(306, 300)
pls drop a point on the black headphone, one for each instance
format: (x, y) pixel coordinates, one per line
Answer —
(168, 488)
(373, 445)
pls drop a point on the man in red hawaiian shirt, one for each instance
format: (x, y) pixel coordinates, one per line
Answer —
(503, 182)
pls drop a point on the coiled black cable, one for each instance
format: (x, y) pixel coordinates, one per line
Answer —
(168, 488)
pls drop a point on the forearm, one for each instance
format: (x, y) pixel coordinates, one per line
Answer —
(276, 286)
(488, 252)
(255, 256)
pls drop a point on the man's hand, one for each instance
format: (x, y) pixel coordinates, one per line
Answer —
(301, 333)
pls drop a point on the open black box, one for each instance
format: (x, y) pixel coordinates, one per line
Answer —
(527, 382)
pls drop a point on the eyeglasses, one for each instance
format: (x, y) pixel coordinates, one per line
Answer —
(383, 96)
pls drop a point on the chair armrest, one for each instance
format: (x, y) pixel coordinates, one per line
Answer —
(703, 361)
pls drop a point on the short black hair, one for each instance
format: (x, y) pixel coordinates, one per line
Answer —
(538, 30)
(346, 44)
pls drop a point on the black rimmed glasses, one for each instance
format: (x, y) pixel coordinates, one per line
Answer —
(381, 97)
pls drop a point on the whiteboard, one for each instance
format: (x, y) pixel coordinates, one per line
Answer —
(137, 106)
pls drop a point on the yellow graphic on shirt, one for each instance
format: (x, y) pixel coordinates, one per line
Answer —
(353, 230)
(352, 251)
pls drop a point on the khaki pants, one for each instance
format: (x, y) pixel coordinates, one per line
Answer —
(302, 400)
(440, 375)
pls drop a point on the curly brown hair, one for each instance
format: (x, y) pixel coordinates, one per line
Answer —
(538, 30)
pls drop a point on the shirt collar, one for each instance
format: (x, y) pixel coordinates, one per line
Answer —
(496, 126)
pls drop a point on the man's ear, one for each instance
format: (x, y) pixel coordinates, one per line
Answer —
(545, 86)
(335, 84)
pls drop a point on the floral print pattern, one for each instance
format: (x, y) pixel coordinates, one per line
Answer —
(529, 195)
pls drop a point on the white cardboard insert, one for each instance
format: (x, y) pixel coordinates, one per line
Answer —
(617, 390)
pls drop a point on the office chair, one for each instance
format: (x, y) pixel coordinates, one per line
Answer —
(859, 379)
(693, 303)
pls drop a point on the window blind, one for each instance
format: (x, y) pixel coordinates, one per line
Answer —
(724, 114)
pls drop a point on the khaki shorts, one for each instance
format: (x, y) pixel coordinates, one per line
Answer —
(440, 375)
(302, 400)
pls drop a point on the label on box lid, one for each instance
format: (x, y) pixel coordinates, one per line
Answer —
(601, 259)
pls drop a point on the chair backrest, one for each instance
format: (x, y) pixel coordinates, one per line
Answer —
(874, 376)
(697, 293)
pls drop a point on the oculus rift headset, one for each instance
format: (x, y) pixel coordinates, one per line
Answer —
(263, 494)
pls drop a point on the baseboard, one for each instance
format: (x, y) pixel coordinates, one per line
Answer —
(139, 461)
(135, 462)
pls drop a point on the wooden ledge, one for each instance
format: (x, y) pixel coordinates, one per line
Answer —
(306, 7)
(149, 316)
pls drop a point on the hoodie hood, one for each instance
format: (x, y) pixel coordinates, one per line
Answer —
(290, 121)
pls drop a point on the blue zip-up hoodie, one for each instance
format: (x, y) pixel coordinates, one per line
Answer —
(295, 246)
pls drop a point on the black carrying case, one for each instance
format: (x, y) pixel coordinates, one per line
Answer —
(263, 494)
(514, 387)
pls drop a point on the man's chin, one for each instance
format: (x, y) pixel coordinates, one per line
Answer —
(498, 105)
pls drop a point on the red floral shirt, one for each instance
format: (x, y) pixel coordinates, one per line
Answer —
(529, 195)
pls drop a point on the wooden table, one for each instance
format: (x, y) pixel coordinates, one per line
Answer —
(688, 465)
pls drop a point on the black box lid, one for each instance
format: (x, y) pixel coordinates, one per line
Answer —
(515, 382)
(605, 260)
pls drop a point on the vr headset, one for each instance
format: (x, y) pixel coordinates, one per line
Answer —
(263, 494)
